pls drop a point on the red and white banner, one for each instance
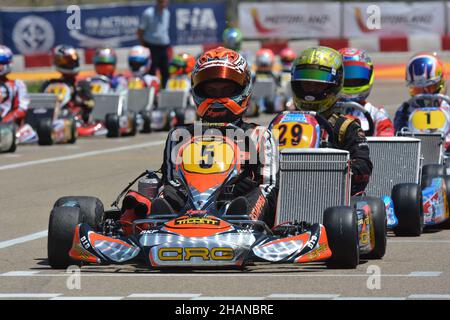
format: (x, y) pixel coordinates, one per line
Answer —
(395, 19)
(287, 20)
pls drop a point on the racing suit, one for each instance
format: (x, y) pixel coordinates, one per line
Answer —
(13, 100)
(348, 135)
(82, 100)
(401, 119)
(383, 124)
(257, 181)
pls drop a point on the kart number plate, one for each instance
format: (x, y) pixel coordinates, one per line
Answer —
(428, 119)
(294, 135)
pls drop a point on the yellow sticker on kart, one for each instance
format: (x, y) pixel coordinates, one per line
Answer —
(177, 84)
(429, 119)
(135, 84)
(61, 90)
(207, 157)
(294, 135)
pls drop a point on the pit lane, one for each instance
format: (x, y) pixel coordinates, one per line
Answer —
(33, 178)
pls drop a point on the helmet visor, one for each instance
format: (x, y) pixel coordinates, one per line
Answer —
(313, 90)
(67, 62)
(218, 88)
(314, 73)
(356, 76)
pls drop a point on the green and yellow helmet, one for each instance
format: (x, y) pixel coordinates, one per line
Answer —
(317, 77)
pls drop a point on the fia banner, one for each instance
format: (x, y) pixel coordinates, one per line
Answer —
(34, 30)
(394, 18)
(289, 20)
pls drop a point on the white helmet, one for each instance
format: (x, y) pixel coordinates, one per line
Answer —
(139, 60)
(5, 60)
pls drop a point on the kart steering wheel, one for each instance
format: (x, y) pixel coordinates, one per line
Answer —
(342, 105)
(413, 102)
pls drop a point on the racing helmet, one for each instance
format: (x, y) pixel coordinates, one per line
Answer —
(105, 60)
(66, 60)
(358, 74)
(182, 63)
(139, 60)
(232, 39)
(6, 57)
(221, 85)
(287, 57)
(425, 74)
(264, 60)
(317, 77)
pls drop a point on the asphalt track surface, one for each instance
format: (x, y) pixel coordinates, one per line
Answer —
(34, 177)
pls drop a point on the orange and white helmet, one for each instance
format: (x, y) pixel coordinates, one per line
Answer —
(264, 60)
(221, 66)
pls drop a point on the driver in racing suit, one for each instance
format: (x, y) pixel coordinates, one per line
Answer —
(317, 81)
(13, 93)
(221, 87)
(67, 62)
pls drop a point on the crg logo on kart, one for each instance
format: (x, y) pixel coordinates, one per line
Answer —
(186, 254)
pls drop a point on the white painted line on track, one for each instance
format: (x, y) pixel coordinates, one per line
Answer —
(370, 298)
(80, 155)
(164, 295)
(302, 296)
(86, 298)
(29, 295)
(418, 241)
(30, 237)
(429, 296)
(19, 273)
(425, 274)
(228, 298)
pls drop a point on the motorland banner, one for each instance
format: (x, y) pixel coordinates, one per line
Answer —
(33, 30)
(288, 20)
(363, 19)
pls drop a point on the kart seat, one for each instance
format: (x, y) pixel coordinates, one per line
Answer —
(160, 206)
(238, 206)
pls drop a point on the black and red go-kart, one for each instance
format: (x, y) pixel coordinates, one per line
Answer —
(213, 233)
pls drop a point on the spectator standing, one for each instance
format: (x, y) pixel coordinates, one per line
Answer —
(153, 33)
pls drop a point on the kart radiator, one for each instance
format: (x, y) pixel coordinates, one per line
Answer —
(395, 160)
(432, 146)
(264, 88)
(140, 99)
(108, 103)
(171, 99)
(312, 180)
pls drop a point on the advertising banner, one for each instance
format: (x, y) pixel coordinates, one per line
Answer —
(363, 19)
(32, 30)
(290, 20)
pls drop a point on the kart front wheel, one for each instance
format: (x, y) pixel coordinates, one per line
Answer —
(147, 119)
(379, 220)
(45, 132)
(341, 225)
(91, 209)
(407, 198)
(61, 229)
(13, 146)
(112, 125)
(73, 131)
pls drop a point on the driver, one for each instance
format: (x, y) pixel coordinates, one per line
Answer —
(13, 93)
(424, 74)
(317, 81)
(105, 60)
(221, 87)
(358, 82)
(67, 62)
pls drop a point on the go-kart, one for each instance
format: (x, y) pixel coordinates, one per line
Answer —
(175, 105)
(324, 180)
(46, 123)
(141, 100)
(208, 232)
(264, 96)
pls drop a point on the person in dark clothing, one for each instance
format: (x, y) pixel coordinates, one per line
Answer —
(317, 80)
(153, 33)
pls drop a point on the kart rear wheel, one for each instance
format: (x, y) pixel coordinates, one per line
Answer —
(407, 198)
(13, 147)
(341, 225)
(44, 131)
(433, 170)
(112, 125)
(61, 228)
(147, 119)
(379, 221)
(91, 209)
(446, 223)
(73, 131)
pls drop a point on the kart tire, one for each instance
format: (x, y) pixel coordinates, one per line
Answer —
(446, 223)
(341, 225)
(270, 106)
(61, 228)
(407, 199)
(433, 170)
(13, 146)
(147, 119)
(73, 131)
(134, 126)
(91, 209)
(379, 221)
(112, 125)
(44, 130)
